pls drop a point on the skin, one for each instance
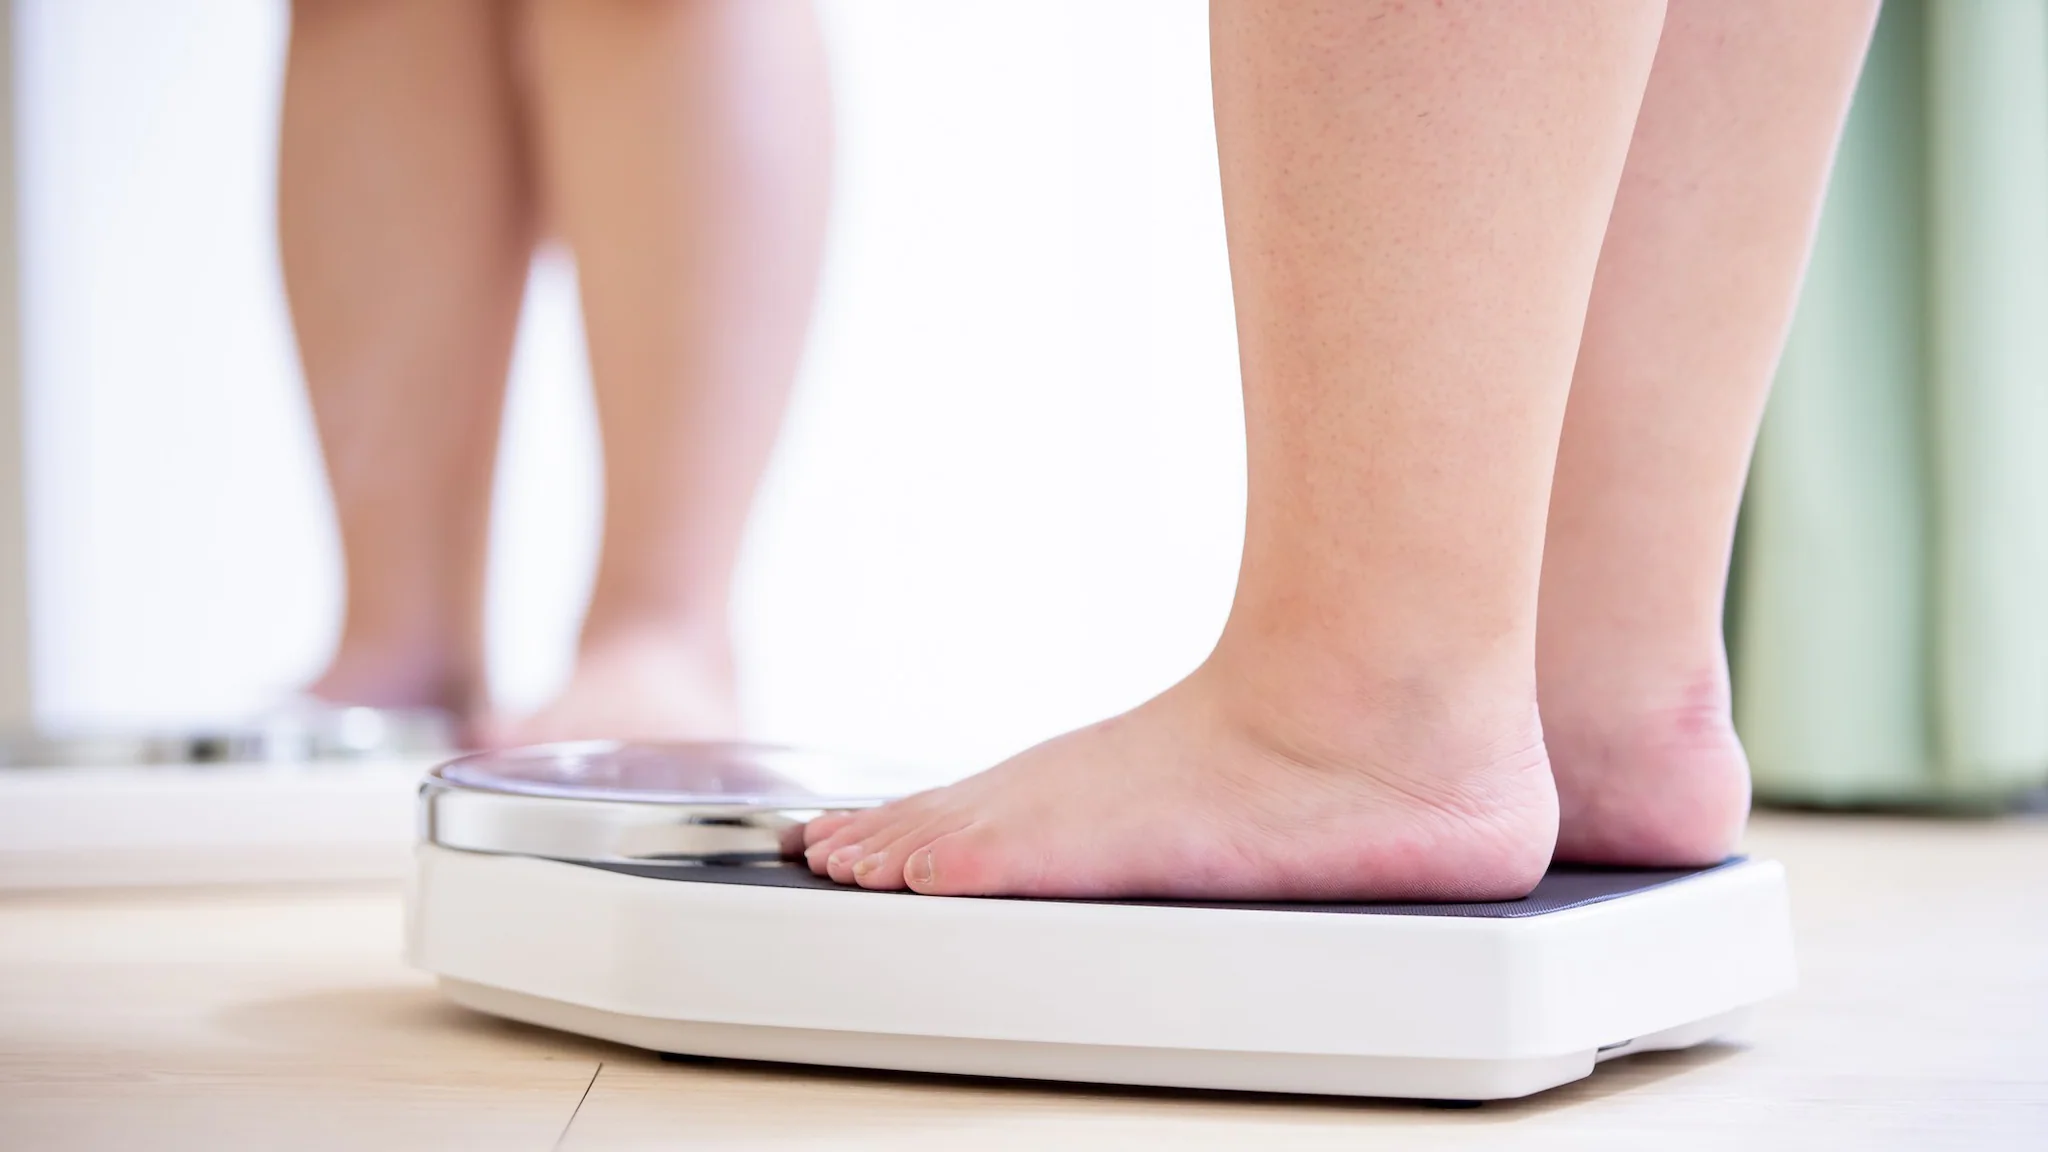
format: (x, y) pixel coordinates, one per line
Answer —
(1691, 303)
(405, 277)
(681, 150)
(1428, 208)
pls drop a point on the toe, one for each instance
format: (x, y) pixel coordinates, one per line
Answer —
(874, 834)
(873, 827)
(822, 828)
(882, 865)
(970, 862)
(854, 829)
(860, 837)
(839, 864)
(821, 851)
(881, 871)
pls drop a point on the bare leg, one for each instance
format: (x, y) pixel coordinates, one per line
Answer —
(405, 228)
(1690, 306)
(686, 153)
(1416, 196)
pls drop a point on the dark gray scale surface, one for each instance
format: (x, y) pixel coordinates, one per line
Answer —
(1564, 887)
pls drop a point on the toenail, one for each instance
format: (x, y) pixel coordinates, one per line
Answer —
(868, 864)
(846, 856)
(919, 869)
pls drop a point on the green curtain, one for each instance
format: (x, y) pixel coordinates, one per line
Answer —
(1889, 613)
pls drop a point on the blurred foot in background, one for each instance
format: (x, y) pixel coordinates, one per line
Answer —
(681, 150)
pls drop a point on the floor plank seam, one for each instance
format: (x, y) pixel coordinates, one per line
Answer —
(595, 1073)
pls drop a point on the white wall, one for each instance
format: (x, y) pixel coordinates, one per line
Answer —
(1010, 493)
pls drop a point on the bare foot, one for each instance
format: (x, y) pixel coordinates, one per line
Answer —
(1650, 786)
(636, 686)
(395, 679)
(1201, 794)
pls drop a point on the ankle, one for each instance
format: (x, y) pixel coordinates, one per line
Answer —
(1446, 724)
(684, 638)
(1666, 712)
(1354, 671)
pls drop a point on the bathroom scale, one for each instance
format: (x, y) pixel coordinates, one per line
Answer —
(645, 894)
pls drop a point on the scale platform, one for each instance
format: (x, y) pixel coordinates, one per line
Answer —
(641, 894)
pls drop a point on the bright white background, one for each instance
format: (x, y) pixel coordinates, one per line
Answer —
(1008, 500)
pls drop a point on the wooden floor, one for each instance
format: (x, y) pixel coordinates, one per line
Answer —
(282, 1018)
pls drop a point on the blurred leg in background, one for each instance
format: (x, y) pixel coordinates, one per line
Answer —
(1690, 307)
(683, 148)
(406, 224)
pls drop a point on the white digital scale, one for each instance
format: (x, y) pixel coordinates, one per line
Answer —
(643, 894)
